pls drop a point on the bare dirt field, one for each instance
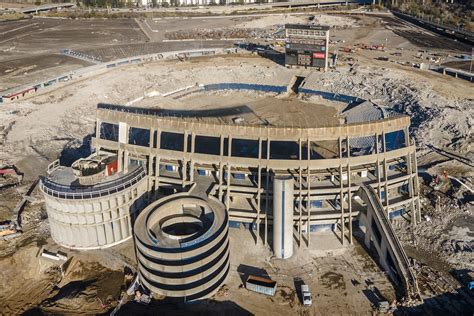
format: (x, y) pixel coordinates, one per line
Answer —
(36, 39)
(35, 68)
(463, 65)
(49, 35)
(29, 49)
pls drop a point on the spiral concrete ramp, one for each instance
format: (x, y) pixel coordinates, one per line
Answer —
(182, 246)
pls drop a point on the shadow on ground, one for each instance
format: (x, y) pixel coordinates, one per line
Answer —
(75, 150)
(245, 270)
(170, 308)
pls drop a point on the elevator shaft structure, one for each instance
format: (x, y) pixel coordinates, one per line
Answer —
(283, 205)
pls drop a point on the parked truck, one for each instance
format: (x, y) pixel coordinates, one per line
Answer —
(306, 295)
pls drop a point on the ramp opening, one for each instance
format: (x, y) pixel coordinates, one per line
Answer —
(295, 84)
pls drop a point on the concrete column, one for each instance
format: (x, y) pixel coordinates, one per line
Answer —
(267, 193)
(221, 170)
(308, 198)
(125, 161)
(108, 226)
(126, 152)
(410, 179)
(341, 188)
(193, 144)
(417, 188)
(115, 224)
(150, 162)
(184, 169)
(349, 190)
(300, 196)
(152, 138)
(327, 51)
(123, 213)
(377, 169)
(120, 159)
(157, 160)
(100, 229)
(368, 230)
(259, 186)
(385, 170)
(283, 208)
(97, 129)
(383, 255)
(229, 154)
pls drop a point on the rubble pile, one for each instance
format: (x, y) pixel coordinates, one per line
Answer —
(447, 223)
(217, 34)
(435, 120)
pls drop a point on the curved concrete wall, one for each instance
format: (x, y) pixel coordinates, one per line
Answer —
(326, 183)
(190, 266)
(93, 223)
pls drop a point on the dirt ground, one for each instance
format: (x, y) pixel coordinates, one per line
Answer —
(35, 40)
(329, 269)
(463, 65)
(58, 123)
(36, 68)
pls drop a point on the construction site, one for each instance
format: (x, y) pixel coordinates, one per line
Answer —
(313, 163)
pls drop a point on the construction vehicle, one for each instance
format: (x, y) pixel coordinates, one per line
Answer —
(306, 295)
(8, 229)
(441, 182)
(9, 176)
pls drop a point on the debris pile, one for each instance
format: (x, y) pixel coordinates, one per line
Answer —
(445, 230)
(217, 34)
(435, 119)
(223, 291)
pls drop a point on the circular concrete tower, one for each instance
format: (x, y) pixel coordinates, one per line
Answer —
(92, 205)
(182, 246)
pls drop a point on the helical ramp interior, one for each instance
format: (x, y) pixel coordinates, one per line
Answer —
(182, 246)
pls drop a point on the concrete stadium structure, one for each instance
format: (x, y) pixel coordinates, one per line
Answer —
(182, 246)
(93, 211)
(237, 162)
(232, 159)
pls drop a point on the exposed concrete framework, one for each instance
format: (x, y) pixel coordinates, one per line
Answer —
(324, 187)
